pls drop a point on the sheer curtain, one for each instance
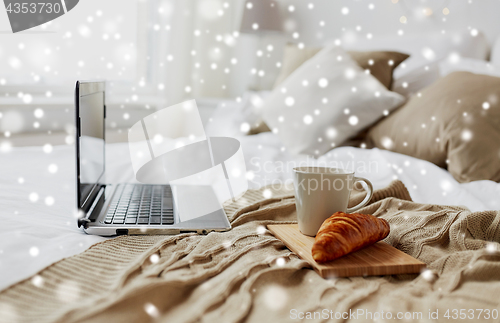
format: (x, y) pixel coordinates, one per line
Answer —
(152, 53)
(202, 45)
(206, 56)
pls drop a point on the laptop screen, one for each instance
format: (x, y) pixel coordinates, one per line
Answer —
(90, 144)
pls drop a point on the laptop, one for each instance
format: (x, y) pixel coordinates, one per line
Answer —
(107, 209)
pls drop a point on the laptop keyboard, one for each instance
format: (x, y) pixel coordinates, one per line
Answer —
(141, 204)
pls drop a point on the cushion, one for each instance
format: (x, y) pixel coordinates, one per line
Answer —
(454, 123)
(477, 66)
(424, 47)
(380, 64)
(426, 50)
(327, 100)
(417, 79)
(293, 57)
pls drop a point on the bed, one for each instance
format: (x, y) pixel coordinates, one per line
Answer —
(39, 217)
(35, 234)
(38, 235)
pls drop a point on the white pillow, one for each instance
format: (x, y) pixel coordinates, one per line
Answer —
(475, 66)
(417, 79)
(327, 100)
(251, 113)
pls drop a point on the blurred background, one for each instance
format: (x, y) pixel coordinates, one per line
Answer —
(155, 53)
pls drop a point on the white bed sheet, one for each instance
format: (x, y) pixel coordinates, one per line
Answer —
(34, 235)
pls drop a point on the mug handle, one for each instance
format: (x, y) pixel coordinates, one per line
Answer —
(367, 197)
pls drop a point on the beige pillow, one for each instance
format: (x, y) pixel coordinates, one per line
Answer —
(454, 123)
(381, 64)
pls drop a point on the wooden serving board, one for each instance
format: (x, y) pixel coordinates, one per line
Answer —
(376, 260)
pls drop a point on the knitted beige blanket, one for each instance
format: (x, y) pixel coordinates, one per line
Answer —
(248, 275)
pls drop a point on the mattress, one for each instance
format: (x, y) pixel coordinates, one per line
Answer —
(37, 191)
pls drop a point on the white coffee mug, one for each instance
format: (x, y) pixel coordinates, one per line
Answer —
(322, 191)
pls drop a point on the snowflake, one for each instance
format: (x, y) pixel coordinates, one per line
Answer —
(261, 229)
(353, 120)
(33, 197)
(387, 143)
(466, 135)
(151, 310)
(280, 261)
(37, 280)
(289, 101)
(47, 148)
(49, 200)
(275, 297)
(154, 258)
(245, 127)
(34, 251)
(235, 172)
(250, 175)
(349, 73)
(446, 185)
(323, 82)
(308, 119)
(52, 168)
(428, 275)
(15, 62)
(491, 247)
(27, 98)
(84, 31)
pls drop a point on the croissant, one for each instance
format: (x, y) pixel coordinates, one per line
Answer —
(343, 233)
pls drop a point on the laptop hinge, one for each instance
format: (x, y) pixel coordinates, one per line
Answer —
(92, 213)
